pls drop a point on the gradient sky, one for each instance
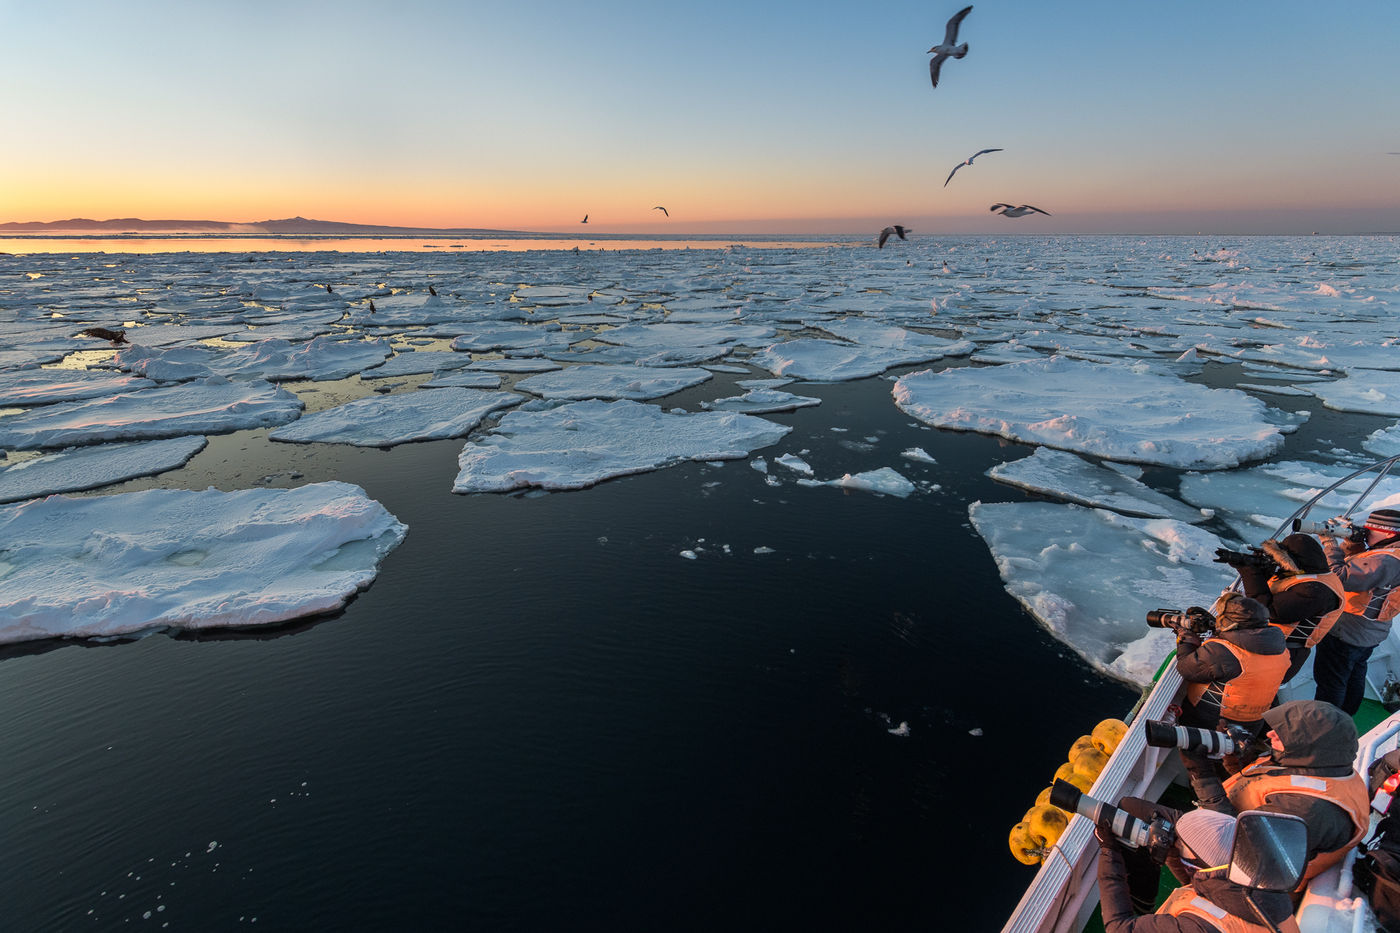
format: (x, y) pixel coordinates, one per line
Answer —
(1129, 116)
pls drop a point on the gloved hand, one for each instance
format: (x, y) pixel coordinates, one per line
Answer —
(1106, 839)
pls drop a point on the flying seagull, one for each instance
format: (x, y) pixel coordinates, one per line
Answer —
(949, 47)
(584, 220)
(886, 233)
(1006, 210)
(967, 161)
(662, 210)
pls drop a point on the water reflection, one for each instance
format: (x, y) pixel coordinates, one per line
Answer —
(24, 245)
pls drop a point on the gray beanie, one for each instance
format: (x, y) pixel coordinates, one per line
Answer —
(1208, 835)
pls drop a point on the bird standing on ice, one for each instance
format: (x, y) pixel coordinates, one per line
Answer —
(949, 47)
(968, 160)
(886, 233)
(1006, 210)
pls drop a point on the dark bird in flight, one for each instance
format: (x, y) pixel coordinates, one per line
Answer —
(967, 161)
(1006, 210)
(584, 220)
(102, 333)
(949, 47)
(886, 233)
(432, 291)
(662, 210)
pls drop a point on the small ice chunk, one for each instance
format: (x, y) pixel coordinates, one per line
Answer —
(794, 463)
(917, 453)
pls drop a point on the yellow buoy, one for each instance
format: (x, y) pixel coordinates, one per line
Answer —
(1042, 799)
(1084, 741)
(1022, 846)
(1046, 824)
(1063, 772)
(1089, 762)
(1081, 781)
(1108, 734)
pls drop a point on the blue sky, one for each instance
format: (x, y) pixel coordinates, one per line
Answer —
(1115, 117)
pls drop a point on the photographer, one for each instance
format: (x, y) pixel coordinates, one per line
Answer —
(1369, 571)
(1308, 772)
(1207, 902)
(1292, 580)
(1232, 677)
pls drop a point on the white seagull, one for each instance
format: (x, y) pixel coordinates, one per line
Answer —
(968, 160)
(886, 233)
(949, 47)
(1006, 210)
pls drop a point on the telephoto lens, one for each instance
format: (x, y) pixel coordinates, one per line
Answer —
(1166, 618)
(1133, 831)
(1162, 734)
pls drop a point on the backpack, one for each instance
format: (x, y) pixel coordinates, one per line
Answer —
(1377, 868)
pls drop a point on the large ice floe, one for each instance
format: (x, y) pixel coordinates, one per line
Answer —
(1119, 412)
(1254, 502)
(321, 358)
(637, 383)
(207, 406)
(1067, 476)
(830, 361)
(45, 386)
(167, 558)
(425, 415)
(582, 443)
(1369, 392)
(79, 468)
(1090, 576)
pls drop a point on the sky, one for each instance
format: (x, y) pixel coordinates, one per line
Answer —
(781, 117)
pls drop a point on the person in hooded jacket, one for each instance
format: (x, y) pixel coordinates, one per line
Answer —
(1231, 677)
(1308, 772)
(1303, 596)
(1369, 571)
(1207, 901)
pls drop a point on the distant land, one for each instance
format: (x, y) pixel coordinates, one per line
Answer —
(291, 225)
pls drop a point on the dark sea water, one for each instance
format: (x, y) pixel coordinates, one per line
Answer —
(542, 717)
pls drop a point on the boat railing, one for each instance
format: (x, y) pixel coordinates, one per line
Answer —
(1064, 892)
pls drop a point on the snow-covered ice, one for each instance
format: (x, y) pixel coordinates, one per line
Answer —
(1090, 576)
(398, 419)
(1067, 476)
(1119, 412)
(208, 406)
(1255, 501)
(79, 468)
(579, 444)
(101, 566)
(762, 401)
(637, 383)
(832, 361)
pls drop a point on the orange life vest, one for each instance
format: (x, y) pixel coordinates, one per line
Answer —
(1251, 788)
(1309, 632)
(1379, 605)
(1247, 697)
(1185, 900)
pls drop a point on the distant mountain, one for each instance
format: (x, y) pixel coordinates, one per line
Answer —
(291, 225)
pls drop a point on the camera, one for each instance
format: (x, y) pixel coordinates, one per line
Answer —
(1339, 527)
(1254, 557)
(1155, 837)
(1159, 733)
(1194, 619)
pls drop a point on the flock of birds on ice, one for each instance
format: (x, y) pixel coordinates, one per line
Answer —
(948, 48)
